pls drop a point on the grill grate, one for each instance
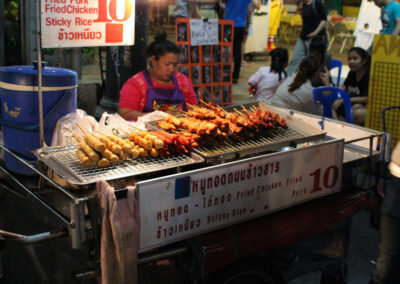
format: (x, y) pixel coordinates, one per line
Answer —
(278, 138)
(65, 163)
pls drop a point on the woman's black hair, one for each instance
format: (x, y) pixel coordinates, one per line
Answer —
(160, 46)
(363, 54)
(307, 68)
(319, 46)
(279, 60)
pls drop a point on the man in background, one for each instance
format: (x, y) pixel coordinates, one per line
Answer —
(237, 10)
(390, 16)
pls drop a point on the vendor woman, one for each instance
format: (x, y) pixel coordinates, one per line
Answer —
(160, 87)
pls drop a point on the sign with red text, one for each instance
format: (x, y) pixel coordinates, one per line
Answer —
(74, 23)
(184, 205)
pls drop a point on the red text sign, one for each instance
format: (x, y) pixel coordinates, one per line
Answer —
(73, 23)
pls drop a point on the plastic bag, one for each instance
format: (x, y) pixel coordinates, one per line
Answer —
(67, 127)
(110, 123)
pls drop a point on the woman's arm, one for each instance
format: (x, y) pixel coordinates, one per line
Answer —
(320, 27)
(359, 100)
(129, 114)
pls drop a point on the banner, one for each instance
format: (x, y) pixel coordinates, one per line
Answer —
(384, 85)
(75, 23)
(178, 207)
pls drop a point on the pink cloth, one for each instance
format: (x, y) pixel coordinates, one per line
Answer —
(120, 225)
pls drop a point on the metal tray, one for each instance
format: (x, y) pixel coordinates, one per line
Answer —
(63, 160)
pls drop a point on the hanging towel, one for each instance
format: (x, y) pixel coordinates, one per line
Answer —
(120, 226)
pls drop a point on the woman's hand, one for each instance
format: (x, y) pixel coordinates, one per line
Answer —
(325, 77)
(311, 35)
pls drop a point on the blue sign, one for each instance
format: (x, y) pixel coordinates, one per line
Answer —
(182, 187)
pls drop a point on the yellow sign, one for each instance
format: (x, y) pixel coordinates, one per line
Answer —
(384, 85)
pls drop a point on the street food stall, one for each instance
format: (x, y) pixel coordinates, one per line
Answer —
(200, 196)
(203, 209)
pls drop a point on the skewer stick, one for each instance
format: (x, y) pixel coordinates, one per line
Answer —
(101, 133)
(241, 114)
(193, 106)
(207, 104)
(123, 131)
(245, 109)
(220, 107)
(77, 138)
(84, 132)
(262, 106)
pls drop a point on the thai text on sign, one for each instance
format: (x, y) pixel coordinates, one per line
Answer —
(203, 32)
(73, 23)
(185, 205)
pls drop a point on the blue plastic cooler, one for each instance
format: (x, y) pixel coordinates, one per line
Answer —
(20, 111)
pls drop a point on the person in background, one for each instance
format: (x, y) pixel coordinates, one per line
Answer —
(318, 52)
(189, 8)
(356, 85)
(275, 13)
(159, 87)
(296, 91)
(390, 16)
(236, 10)
(255, 4)
(314, 21)
(388, 264)
(264, 83)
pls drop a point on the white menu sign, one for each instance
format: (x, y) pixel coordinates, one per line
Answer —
(73, 23)
(188, 204)
(203, 32)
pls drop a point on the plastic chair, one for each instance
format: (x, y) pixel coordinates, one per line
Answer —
(327, 95)
(336, 63)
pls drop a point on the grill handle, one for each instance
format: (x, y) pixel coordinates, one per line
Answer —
(29, 239)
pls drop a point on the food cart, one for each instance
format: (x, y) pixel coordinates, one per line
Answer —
(216, 214)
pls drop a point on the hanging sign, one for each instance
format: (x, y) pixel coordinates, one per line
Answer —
(192, 203)
(203, 32)
(74, 23)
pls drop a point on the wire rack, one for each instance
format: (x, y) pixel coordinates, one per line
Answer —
(64, 161)
(277, 139)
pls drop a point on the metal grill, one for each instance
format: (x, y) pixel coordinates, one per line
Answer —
(277, 139)
(64, 162)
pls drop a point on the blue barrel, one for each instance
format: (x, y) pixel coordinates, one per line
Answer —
(20, 111)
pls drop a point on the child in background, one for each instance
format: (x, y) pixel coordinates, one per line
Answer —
(356, 85)
(264, 83)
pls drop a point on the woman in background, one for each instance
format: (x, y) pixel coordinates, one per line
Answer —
(296, 91)
(356, 85)
(314, 19)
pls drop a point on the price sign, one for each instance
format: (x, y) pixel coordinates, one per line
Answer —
(73, 23)
(174, 208)
(203, 32)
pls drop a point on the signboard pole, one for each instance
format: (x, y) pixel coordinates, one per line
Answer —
(39, 71)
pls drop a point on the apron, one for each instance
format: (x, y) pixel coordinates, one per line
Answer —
(170, 100)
